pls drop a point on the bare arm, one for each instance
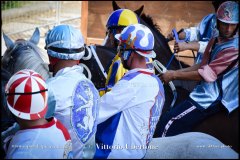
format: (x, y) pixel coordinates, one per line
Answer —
(182, 46)
(192, 68)
(178, 75)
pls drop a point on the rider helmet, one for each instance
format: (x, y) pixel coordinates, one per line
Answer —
(121, 18)
(26, 94)
(65, 42)
(228, 12)
(139, 38)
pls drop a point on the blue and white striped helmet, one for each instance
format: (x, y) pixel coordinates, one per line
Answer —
(65, 42)
(140, 38)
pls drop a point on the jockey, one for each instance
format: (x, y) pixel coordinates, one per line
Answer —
(116, 22)
(27, 97)
(197, 38)
(134, 104)
(73, 99)
(217, 75)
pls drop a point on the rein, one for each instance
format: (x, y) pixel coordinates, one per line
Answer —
(161, 69)
(92, 52)
(98, 61)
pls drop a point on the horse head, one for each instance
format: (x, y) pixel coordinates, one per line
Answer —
(138, 11)
(161, 47)
(24, 54)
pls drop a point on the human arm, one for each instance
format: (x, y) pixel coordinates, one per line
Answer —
(191, 68)
(205, 71)
(115, 100)
(182, 46)
(188, 34)
(219, 64)
(181, 35)
(179, 75)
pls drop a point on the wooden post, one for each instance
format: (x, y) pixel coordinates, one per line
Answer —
(84, 19)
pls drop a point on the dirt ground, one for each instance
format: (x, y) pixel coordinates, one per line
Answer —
(167, 14)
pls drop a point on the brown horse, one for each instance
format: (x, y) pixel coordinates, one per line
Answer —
(222, 125)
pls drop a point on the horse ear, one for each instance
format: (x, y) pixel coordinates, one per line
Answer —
(8, 41)
(139, 11)
(115, 6)
(35, 37)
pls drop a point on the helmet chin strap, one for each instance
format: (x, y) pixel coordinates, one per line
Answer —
(125, 62)
(131, 60)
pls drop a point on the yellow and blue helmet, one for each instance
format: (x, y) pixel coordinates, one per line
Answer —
(121, 18)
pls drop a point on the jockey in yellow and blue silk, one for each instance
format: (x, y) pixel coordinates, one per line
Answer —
(117, 21)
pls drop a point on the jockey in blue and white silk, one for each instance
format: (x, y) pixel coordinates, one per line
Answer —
(128, 114)
(73, 99)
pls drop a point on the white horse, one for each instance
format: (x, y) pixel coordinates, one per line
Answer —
(25, 54)
(191, 145)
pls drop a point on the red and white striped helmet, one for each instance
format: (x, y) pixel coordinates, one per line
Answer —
(26, 93)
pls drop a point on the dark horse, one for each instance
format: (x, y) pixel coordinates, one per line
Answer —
(97, 59)
(222, 125)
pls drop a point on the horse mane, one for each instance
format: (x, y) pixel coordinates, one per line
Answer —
(113, 50)
(149, 20)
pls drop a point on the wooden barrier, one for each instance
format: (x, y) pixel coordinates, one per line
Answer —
(91, 40)
(84, 26)
(84, 19)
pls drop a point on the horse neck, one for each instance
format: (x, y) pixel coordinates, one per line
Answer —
(31, 61)
(161, 46)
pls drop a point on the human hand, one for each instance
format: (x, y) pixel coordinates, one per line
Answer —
(170, 37)
(167, 76)
(180, 46)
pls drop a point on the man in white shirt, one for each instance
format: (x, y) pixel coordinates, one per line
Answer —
(73, 99)
(129, 112)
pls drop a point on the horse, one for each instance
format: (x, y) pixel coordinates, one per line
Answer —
(25, 54)
(163, 55)
(22, 54)
(190, 145)
(227, 132)
(96, 61)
